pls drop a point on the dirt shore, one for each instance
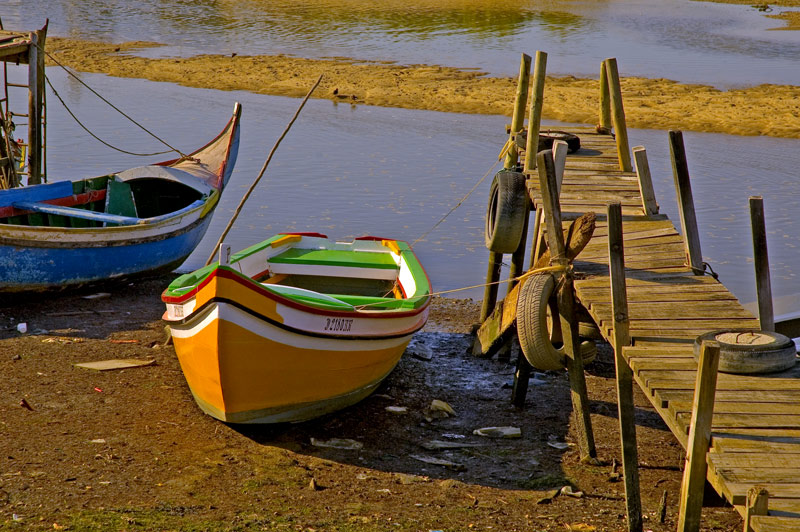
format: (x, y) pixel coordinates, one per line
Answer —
(130, 450)
(772, 110)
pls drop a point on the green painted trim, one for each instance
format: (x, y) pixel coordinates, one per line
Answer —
(336, 257)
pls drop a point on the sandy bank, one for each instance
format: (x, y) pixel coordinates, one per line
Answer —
(772, 110)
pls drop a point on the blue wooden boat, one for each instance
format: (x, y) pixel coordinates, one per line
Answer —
(141, 220)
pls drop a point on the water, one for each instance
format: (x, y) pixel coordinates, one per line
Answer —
(348, 171)
(724, 45)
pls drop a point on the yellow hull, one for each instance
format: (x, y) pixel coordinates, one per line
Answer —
(243, 369)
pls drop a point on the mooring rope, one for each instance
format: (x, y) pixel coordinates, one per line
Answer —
(456, 206)
(546, 269)
(117, 109)
(86, 129)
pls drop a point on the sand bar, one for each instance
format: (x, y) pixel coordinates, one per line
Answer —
(772, 110)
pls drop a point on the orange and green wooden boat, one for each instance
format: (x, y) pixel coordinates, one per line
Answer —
(296, 326)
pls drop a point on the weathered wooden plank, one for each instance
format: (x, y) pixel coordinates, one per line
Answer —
(677, 380)
(770, 523)
(736, 492)
(738, 445)
(753, 421)
(754, 460)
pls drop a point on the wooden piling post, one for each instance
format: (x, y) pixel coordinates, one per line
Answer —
(683, 188)
(694, 473)
(521, 377)
(34, 111)
(490, 291)
(566, 304)
(621, 338)
(518, 118)
(766, 316)
(649, 204)
(535, 112)
(757, 504)
(618, 115)
(605, 99)
(518, 257)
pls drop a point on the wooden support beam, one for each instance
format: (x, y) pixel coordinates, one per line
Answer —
(535, 112)
(757, 504)
(694, 473)
(683, 188)
(521, 377)
(618, 115)
(518, 257)
(34, 113)
(518, 118)
(605, 99)
(490, 291)
(566, 305)
(649, 204)
(766, 315)
(621, 338)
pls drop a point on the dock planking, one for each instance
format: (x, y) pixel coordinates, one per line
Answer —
(756, 421)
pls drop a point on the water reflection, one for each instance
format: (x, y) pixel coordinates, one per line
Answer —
(678, 39)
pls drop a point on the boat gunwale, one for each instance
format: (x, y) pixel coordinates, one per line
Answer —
(229, 273)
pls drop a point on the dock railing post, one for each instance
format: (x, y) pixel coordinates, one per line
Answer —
(757, 504)
(694, 473)
(618, 115)
(566, 304)
(621, 339)
(605, 99)
(535, 111)
(518, 118)
(766, 316)
(517, 121)
(683, 188)
(649, 204)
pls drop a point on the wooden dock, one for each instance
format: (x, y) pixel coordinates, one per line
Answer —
(756, 423)
(669, 299)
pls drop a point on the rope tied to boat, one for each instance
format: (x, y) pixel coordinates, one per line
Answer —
(117, 109)
(565, 269)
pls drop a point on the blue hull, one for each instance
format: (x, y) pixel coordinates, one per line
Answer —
(24, 268)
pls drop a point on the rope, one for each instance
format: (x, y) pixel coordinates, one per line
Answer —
(86, 129)
(706, 270)
(261, 173)
(456, 206)
(117, 109)
(546, 269)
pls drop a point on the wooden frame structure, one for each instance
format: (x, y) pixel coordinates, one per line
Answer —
(643, 284)
(23, 48)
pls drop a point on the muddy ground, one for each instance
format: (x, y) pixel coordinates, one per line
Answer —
(130, 450)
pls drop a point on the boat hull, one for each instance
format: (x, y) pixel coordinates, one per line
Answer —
(242, 368)
(43, 259)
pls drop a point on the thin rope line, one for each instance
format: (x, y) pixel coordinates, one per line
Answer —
(457, 205)
(546, 269)
(117, 109)
(261, 173)
(86, 129)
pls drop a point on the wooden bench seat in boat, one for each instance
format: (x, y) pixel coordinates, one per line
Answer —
(335, 263)
(49, 208)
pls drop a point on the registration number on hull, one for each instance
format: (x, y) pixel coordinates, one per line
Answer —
(338, 324)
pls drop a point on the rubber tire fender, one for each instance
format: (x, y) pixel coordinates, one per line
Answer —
(548, 138)
(777, 355)
(535, 337)
(505, 213)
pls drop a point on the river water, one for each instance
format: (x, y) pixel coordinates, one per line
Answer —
(348, 171)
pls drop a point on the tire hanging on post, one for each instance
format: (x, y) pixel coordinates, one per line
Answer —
(535, 335)
(505, 213)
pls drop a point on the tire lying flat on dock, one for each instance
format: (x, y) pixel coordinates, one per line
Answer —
(749, 351)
